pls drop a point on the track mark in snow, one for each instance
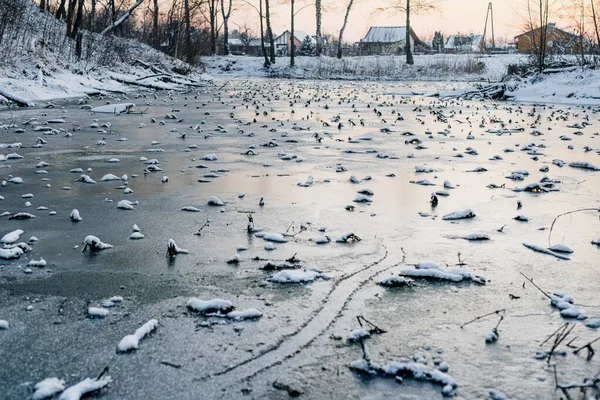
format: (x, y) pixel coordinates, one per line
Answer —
(289, 345)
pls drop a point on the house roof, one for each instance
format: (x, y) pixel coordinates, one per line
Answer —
(389, 34)
(551, 28)
(300, 35)
(385, 34)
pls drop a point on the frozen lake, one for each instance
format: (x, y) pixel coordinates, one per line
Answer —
(269, 137)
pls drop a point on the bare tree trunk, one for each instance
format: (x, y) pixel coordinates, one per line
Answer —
(212, 8)
(70, 15)
(543, 34)
(113, 10)
(189, 51)
(266, 64)
(155, 39)
(78, 45)
(60, 11)
(339, 50)
(409, 55)
(225, 26)
(292, 39)
(319, 48)
(581, 32)
(92, 15)
(42, 5)
(270, 32)
(173, 41)
(78, 20)
(595, 24)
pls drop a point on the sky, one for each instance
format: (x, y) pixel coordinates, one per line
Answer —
(451, 17)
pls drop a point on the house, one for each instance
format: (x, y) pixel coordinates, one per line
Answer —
(388, 40)
(283, 44)
(464, 44)
(558, 41)
(250, 47)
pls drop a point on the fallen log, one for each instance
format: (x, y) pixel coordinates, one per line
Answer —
(101, 91)
(15, 99)
(123, 79)
(182, 81)
(494, 91)
(150, 67)
(153, 76)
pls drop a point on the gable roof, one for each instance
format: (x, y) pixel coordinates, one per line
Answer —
(385, 34)
(551, 29)
(300, 35)
(388, 34)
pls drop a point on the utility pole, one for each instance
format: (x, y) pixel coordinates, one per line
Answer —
(489, 15)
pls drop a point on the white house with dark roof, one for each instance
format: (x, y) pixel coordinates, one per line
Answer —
(387, 40)
(464, 44)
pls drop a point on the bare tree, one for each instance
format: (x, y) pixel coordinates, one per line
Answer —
(92, 16)
(60, 11)
(292, 33)
(537, 25)
(155, 38)
(213, 6)
(270, 32)
(319, 48)
(407, 7)
(189, 52)
(226, 26)
(267, 63)
(78, 18)
(70, 15)
(594, 19)
(339, 50)
(292, 37)
(259, 11)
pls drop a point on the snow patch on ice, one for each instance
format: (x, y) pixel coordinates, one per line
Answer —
(132, 342)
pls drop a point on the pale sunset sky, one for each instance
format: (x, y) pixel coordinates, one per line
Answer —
(451, 17)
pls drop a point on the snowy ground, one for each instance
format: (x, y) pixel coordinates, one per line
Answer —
(294, 337)
(38, 63)
(447, 73)
(440, 74)
(35, 86)
(574, 87)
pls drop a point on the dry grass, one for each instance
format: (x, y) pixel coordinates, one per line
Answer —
(387, 67)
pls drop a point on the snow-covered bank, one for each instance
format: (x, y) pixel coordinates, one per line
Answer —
(439, 67)
(37, 62)
(575, 87)
(34, 85)
(567, 87)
